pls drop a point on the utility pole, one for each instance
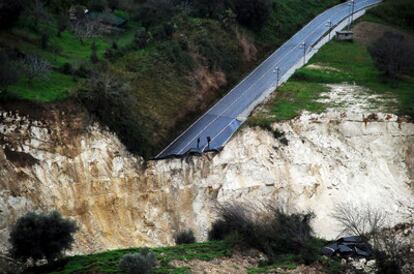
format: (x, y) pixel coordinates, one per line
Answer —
(351, 3)
(303, 45)
(277, 71)
(329, 25)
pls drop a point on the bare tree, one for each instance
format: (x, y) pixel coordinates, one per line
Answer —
(35, 67)
(360, 220)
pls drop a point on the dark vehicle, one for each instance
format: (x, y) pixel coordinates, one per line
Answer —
(353, 246)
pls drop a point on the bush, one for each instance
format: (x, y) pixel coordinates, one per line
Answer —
(269, 230)
(185, 237)
(252, 14)
(208, 8)
(9, 12)
(386, 264)
(94, 55)
(155, 12)
(97, 5)
(41, 236)
(218, 231)
(67, 69)
(8, 72)
(137, 263)
(392, 55)
(141, 38)
(44, 40)
(108, 96)
(83, 71)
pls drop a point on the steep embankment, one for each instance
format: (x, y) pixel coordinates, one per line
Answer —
(58, 160)
(353, 150)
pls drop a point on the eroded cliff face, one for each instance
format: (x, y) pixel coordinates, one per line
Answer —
(63, 161)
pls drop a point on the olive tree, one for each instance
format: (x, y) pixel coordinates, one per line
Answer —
(41, 236)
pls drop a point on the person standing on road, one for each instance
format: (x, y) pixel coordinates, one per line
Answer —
(198, 142)
(208, 142)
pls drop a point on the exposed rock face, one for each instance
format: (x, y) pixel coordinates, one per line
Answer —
(62, 162)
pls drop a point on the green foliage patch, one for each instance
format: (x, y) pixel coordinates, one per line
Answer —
(394, 12)
(108, 262)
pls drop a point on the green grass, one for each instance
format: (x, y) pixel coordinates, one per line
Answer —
(107, 262)
(292, 98)
(64, 49)
(55, 87)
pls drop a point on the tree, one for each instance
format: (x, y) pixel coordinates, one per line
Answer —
(94, 55)
(141, 38)
(98, 5)
(108, 96)
(36, 11)
(208, 8)
(62, 23)
(41, 236)
(35, 67)
(392, 54)
(361, 220)
(9, 12)
(154, 12)
(113, 4)
(8, 72)
(252, 14)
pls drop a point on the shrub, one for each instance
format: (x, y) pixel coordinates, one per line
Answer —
(137, 263)
(392, 54)
(67, 69)
(41, 236)
(252, 14)
(269, 230)
(113, 4)
(94, 55)
(62, 23)
(9, 12)
(107, 90)
(141, 38)
(8, 72)
(97, 5)
(44, 40)
(219, 230)
(83, 71)
(114, 45)
(208, 8)
(154, 12)
(185, 237)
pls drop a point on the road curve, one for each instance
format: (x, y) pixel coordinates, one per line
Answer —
(222, 120)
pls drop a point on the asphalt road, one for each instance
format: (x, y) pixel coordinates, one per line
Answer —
(222, 120)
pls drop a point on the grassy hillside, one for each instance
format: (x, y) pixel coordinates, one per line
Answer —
(344, 62)
(188, 62)
(108, 262)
